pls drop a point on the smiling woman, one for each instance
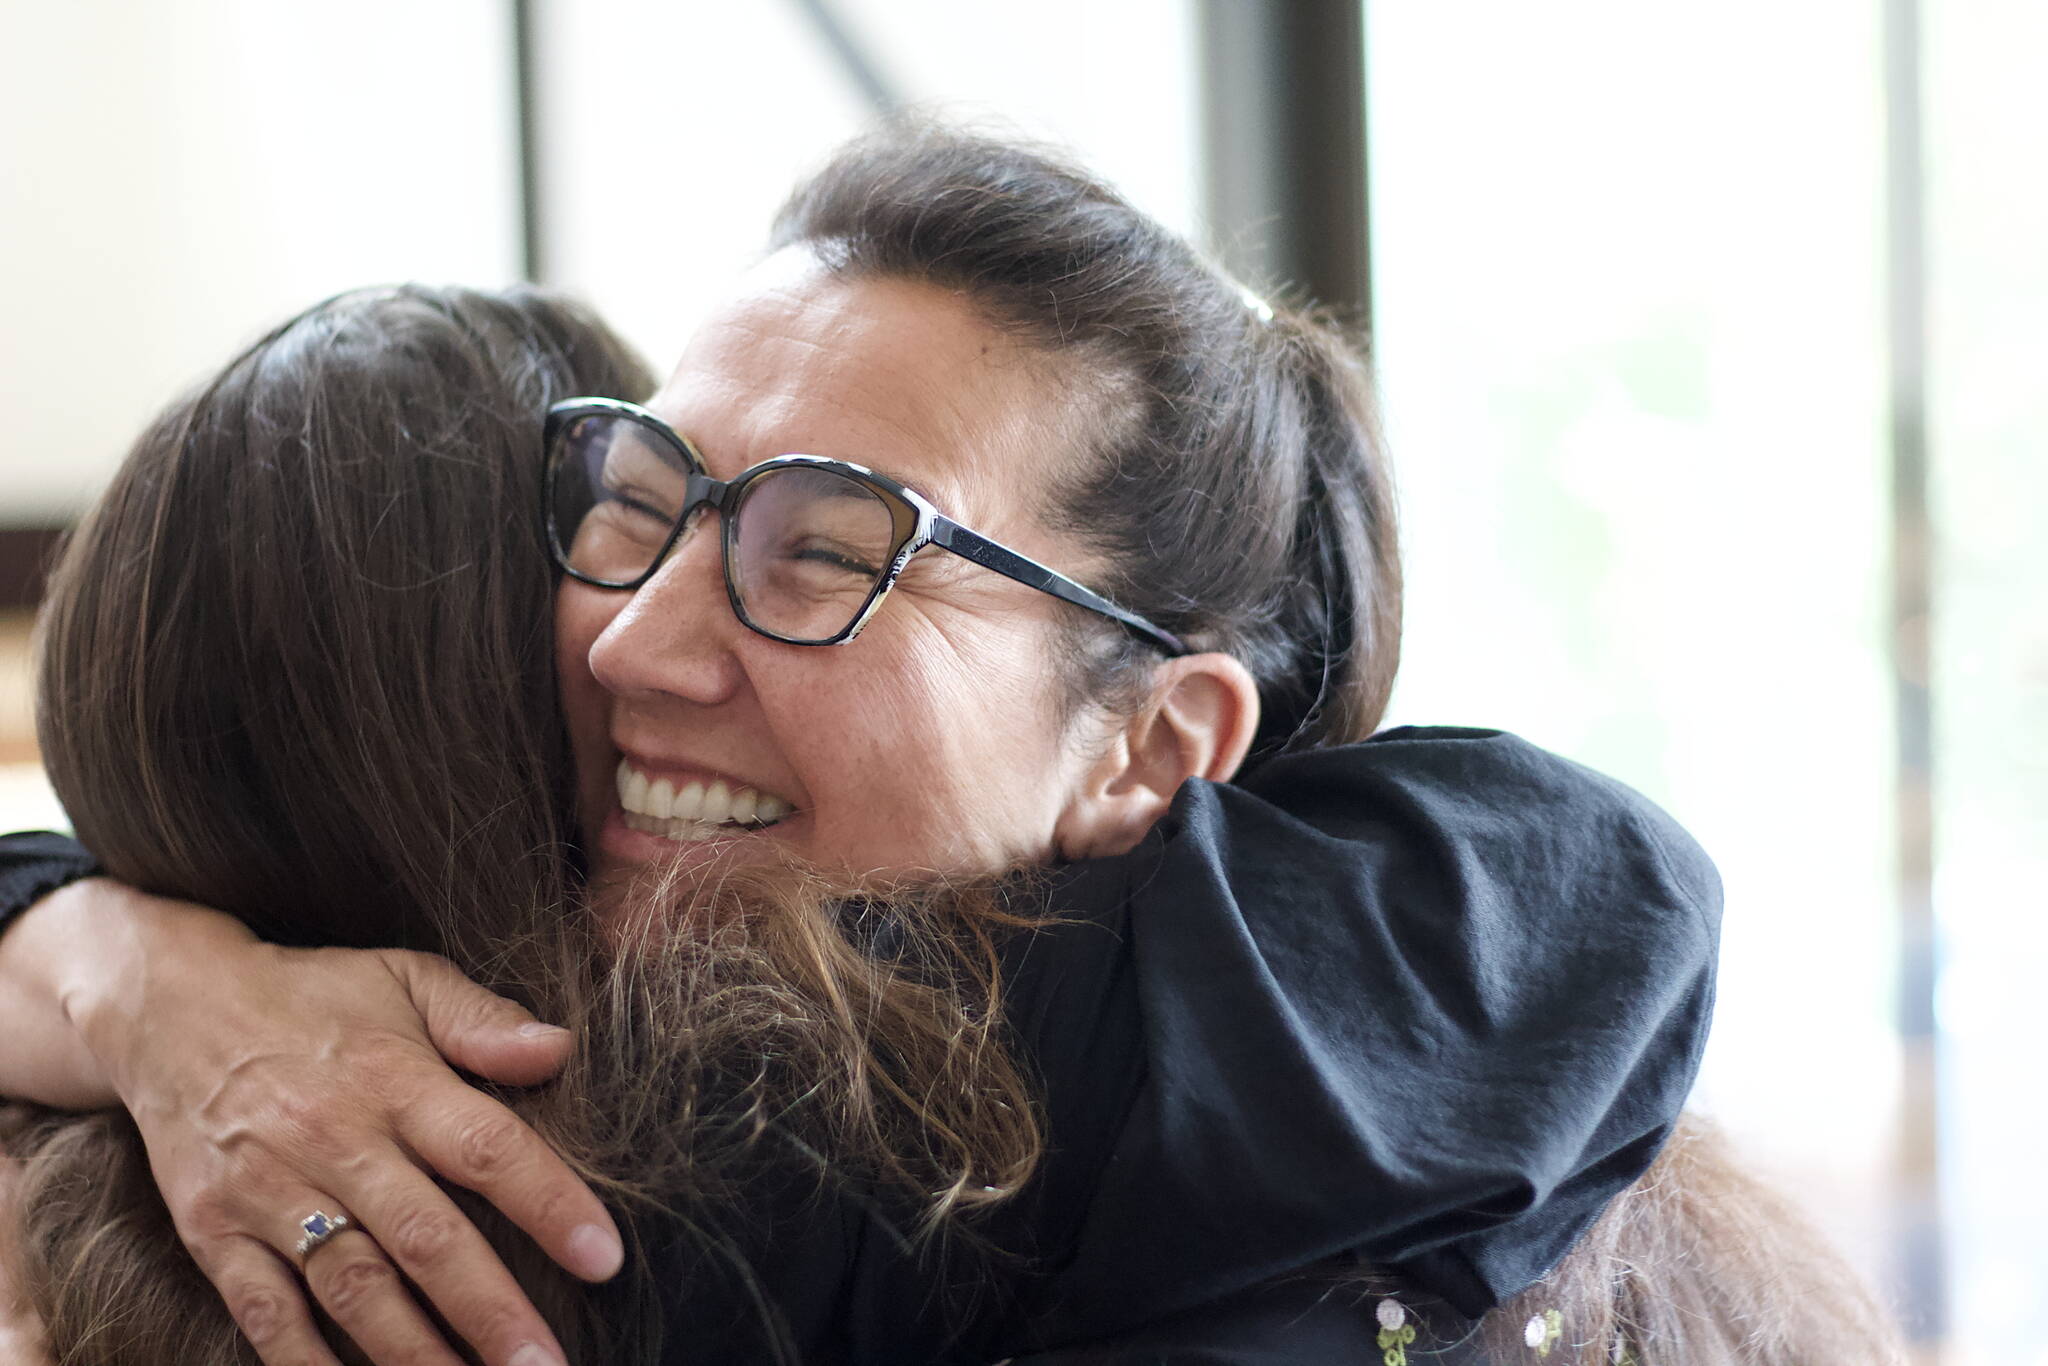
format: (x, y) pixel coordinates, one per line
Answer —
(1283, 1023)
(884, 751)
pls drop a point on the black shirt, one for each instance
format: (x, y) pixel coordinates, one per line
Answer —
(1429, 1001)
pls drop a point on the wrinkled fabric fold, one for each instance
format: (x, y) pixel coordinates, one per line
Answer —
(1431, 1001)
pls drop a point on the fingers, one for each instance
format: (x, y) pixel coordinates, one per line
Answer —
(479, 1030)
(267, 1302)
(477, 1143)
(314, 1083)
(357, 1286)
(419, 1231)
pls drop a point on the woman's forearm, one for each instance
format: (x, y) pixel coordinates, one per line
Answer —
(47, 958)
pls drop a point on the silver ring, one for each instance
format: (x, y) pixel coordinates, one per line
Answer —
(319, 1226)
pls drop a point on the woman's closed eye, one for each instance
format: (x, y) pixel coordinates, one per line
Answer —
(831, 555)
(633, 502)
(640, 482)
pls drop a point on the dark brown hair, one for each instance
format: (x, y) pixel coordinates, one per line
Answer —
(1231, 475)
(297, 664)
(308, 625)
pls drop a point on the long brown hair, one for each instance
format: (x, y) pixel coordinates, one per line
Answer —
(297, 665)
(308, 626)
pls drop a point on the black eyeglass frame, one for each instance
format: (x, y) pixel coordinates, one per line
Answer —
(915, 524)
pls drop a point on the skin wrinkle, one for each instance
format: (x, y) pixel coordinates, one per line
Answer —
(798, 377)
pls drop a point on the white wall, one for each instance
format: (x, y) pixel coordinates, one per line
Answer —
(1631, 270)
(673, 131)
(180, 174)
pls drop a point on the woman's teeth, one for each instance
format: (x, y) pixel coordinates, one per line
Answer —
(694, 811)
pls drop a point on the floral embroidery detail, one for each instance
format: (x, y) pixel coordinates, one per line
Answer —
(1395, 1332)
(1543, 1331)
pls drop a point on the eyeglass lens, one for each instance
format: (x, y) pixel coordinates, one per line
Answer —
(804, 554)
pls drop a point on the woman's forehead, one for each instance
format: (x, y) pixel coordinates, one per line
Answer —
(901, 376)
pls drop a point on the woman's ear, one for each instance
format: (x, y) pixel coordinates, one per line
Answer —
(1197, 721)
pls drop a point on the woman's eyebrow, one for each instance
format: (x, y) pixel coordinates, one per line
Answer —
(919, 487)
(939, 498)
(642, 456)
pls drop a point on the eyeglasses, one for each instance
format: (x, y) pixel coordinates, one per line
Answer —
(811, 546)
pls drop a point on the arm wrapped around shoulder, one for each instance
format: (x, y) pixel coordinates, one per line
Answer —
(1431, 1000)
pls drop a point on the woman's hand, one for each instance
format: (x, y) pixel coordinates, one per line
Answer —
(269, 1083)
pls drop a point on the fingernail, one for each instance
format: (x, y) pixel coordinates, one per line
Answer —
(537, 1030)
(533, 1354)
(595, 1252)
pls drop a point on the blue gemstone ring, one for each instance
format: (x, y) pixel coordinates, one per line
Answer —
(319, 1226)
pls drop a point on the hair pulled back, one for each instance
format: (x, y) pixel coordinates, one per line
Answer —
(1233, 475)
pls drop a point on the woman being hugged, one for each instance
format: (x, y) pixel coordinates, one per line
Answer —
(251, 655)
(1306, 980)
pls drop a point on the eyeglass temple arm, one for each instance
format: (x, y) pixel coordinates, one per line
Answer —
(986, 553)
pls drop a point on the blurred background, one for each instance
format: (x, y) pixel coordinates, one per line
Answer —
(1709, 339)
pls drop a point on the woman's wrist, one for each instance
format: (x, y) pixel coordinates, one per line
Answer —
(46, 1059)
(77, 973)
(124, 957)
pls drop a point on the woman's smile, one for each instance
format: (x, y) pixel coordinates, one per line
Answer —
(663, 805)
(684, 807)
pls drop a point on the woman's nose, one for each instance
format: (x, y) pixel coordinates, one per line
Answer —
(675, 633)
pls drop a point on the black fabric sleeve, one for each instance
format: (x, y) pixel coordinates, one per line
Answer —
(35, 863)
(1426, 1003)
(1431, 1001)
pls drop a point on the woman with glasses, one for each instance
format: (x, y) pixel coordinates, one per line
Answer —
(1428, 1001)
